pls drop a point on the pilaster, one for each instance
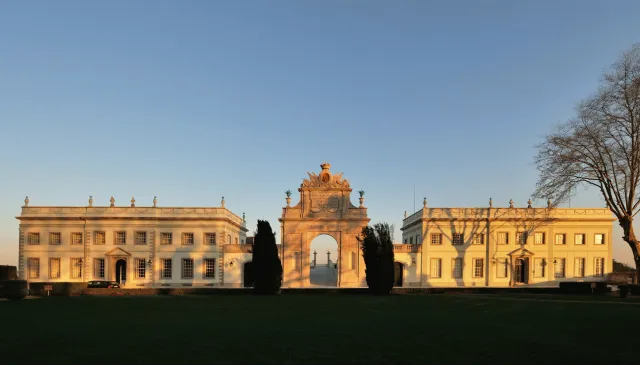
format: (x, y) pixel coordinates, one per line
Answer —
(87, 262)
(21, 274)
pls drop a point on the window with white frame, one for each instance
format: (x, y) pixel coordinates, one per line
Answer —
(598, 239)
(76, 238)
(411, 240)
(33, 238)
(599, 266)
(456, 268)
(539, 238)
(539, 268)
(141, 238)
(187, 238)
(436, 238)
(502, 269)
(560, 239)
(55, 238)
(580, 239)
(166, 238)
(521, 238)
(99, 238)
(558, 268)
(210, 239)
(33, 266)
(478, 239)
(418, 240)
(76, 268)
(98, 268)
(54, 267)
(503, 238)
(354, 260)
(296, 260)
(209, 268)
(478, 268)
(458, 239)
(578, 270)
(165, 269)
(436, 268)
(120, 238)
(187, 268)
(141, 269)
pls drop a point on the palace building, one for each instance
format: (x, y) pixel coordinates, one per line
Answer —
(156, 246)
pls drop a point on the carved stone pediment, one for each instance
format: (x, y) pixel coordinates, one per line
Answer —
(325, 179)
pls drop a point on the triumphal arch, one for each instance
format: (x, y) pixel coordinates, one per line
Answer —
(324, 208)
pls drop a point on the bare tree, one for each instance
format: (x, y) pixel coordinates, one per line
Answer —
(600, 147)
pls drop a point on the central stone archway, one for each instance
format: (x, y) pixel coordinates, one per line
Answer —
(324, 208)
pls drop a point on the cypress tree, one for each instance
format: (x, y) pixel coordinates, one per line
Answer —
(267, 268)
(377, 251)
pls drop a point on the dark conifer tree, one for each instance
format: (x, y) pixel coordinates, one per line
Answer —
(377, 251)
(267, 269)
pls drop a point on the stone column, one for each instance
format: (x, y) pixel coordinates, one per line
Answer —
(314, 258)
(328, 258)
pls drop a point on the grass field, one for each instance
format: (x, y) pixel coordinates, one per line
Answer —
(318, 329)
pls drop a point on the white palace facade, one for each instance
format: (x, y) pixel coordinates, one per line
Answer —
(156, 246)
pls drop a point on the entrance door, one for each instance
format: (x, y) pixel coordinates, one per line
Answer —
(522, 271)
(398, 273)
(121, 271)
(248, 274)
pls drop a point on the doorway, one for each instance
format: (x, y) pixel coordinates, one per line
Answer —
(522, 271)
(121, 271)
(248, 274)
(398, 273)
(325, 271)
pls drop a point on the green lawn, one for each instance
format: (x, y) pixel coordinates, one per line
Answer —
(317, 329)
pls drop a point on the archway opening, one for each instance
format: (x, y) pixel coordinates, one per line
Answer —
(121, 271)
(323, 261)
(398, 273)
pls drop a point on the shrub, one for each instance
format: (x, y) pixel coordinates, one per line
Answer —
(8, 273)
(14, 289)
(58, 288)
(267, 268)
(584, 287)
(377, 251)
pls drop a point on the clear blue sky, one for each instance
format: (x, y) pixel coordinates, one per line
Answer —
(193, 100)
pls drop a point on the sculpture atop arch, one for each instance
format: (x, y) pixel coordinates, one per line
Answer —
(324, 208)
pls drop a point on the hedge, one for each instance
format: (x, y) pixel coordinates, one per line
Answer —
(584, 287)
(8, 273)
(13, 289)
(59, 288)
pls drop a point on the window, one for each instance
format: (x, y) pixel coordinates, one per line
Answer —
(187, 268)
(354, 259)
(121, 238)
(236, 240)
(456, 268)
(141, 268)
(99, 238)
(411, 240)
(458, 239)
(165, 270)
(76, 268)
(521, 238)
(539, 268)
(599, 239)
(436, 268)
(210, 239)
(580, 239)
(229, 239)
(55, 238)
(436, 239)
(503, 238)
(54, 268)
(502, 269)
(405, 241)
(599, 266)
(539, 238)
(558, 268)
(33, 238)
(478, 239)
(296, 260)
(578, 270)
(187, 238)
(418, 241)
(209, 268)
(33, 265)
(141, 238)
(76, 238)
(166, 238)
(560, 239)
(98, 268)
(478, 268)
